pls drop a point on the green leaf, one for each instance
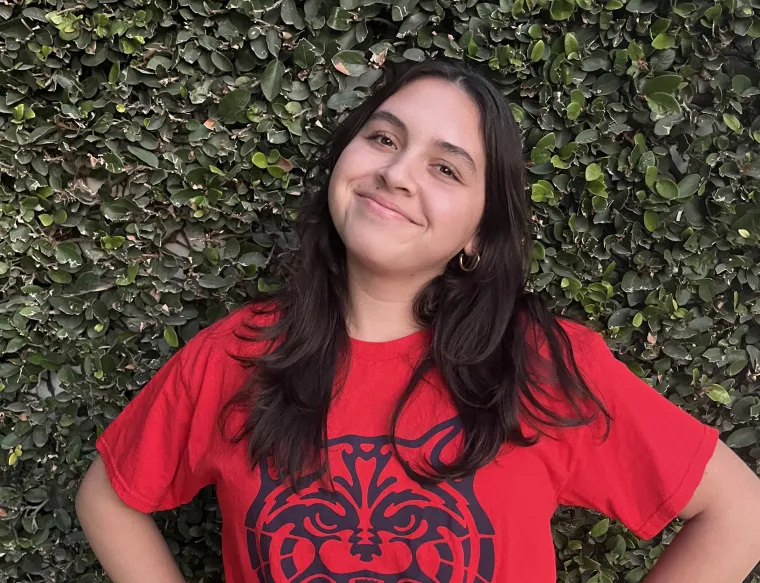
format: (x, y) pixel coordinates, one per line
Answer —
(402, 8)
(651, 220)
(754, 30)
(234, 104)
(740, 83)
(540, 155)
(573, 110)
(46, 219)
(561, 9)
(660, 26)
(736, 367)
(171, 337)
(743, 232)
(537, 51)
(62, 518)
(666, 188)
(662, 103)
(412, 24)
(636, 575)
(688, 185)
(276, 171)
(600, 528)
(732, 122)
(663, 41)
(290, 15)
(222, 63)
(542, 191)
(129, 276)
(118, 209)
(306, 53)
(743, 437)
(212, 281)
(571, 43)
(587, 136)
(684, 9)
(260, 160)
(144, 155)
(662, 84)
(720, 395)
(113, 74)
(271, 80)
(593, 172)
(351, 63)
(253, 258)
(635, 52)
(113, 162)
(548, 141)
(651, 176)
(607, 83)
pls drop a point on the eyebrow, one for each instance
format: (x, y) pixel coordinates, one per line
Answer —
(448, 147)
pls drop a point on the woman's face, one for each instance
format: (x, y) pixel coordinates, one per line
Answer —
(407, 193)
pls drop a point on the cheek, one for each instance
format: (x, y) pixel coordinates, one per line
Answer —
(336, 190)
(455, 214)
(354, 161)
(347, 169)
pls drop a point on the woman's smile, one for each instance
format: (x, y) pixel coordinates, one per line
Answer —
(383, 208)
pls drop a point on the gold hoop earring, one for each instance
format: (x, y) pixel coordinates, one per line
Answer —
(471, 267)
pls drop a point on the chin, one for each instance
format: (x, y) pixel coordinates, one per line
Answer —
(376, 260)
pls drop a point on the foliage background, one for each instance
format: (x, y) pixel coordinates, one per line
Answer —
(151, 156)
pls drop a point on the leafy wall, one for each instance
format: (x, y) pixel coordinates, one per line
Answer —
(151, 155)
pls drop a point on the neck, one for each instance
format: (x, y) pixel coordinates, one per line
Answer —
(381, 307)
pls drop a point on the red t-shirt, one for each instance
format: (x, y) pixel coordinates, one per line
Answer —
(377, 525)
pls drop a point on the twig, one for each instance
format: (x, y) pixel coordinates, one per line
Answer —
(263, 10)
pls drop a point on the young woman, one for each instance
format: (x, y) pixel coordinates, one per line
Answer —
(402, 411)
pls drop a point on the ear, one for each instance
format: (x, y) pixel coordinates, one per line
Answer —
(472, 246)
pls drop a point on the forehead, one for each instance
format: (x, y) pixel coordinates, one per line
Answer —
(436, 109)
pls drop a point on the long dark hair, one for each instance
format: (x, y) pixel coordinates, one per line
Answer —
(479, 320)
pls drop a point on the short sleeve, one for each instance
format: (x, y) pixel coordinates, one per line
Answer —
(152, 449)
(654, 457)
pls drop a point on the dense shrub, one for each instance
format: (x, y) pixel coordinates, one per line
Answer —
(152, 154)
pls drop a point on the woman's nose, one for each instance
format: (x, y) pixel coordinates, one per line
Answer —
(399, 175)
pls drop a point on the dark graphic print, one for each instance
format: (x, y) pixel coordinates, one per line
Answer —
(375, 525)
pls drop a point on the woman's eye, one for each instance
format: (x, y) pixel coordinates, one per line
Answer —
(382, 139)
(447, 171)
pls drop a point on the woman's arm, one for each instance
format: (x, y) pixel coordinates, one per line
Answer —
(127, 542)
(720, 542)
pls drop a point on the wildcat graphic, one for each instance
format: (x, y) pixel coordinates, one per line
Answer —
(375, 525)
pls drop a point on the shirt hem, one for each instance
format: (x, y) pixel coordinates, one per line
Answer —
(119, 484)
(681, 496)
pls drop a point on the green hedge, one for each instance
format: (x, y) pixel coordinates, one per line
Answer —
(151, 155)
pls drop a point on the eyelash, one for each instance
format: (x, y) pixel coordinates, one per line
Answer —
(374, 137)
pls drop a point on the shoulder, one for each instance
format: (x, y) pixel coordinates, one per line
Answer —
(587, 345)
(228, 343)
(579, 350)
(242, 322)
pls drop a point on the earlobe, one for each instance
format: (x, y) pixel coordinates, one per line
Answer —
(472, 246)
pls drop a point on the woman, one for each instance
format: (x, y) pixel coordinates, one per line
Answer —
(402, 410)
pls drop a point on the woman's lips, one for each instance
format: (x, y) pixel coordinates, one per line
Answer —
(384, 208)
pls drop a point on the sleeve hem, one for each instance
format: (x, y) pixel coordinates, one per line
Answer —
(683, 493)
(119, 484)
